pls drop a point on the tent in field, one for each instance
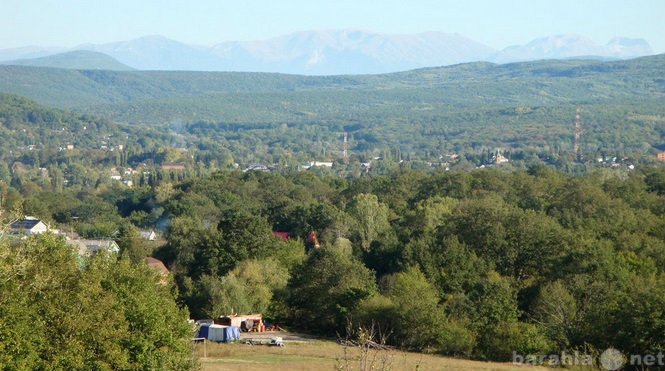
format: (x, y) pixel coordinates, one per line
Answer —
(219, 333)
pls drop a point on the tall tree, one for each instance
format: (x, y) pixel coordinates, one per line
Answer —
(371, 219)
(328, 287)
(420, 319)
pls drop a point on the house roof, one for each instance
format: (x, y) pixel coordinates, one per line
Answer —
(148, 235)
(173, 165)
(157, 264)
(282, 235)
(86, 247)
(26, 223)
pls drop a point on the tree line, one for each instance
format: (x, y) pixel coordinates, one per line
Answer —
(474, 264)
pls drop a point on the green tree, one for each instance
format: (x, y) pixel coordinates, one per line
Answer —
(192, 249)
(433, 212)
(371, 219)
(639, 320)
(449, 265)
(131, 244)
(327, 289)
(5, 175)
(420, 320)
(159, 334)
(248, 288)
(555, 309)
(490, 307)
(53, 303)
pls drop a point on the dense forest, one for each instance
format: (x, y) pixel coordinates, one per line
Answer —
(460, 221)
(474, 264)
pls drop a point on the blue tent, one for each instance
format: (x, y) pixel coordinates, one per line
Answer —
(203, 331)
(231, 333)
(219, 333)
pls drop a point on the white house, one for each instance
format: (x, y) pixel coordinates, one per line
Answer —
(148, 235)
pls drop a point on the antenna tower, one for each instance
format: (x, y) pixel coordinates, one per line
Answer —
(578, 133)
(346, 137)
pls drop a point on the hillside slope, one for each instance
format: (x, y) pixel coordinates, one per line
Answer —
(542, 82)
(74, 60)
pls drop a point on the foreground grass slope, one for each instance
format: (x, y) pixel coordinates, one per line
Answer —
(327, 355)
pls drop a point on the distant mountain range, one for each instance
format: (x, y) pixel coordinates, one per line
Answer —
(573, 46)
(77, 60)
(333, 52)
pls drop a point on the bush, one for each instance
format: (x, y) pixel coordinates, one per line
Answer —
(521, 337)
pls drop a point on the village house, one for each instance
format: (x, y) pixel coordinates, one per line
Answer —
(500, 159)
(257, 167)
(172, 166)
(311, 164)
(28, 225)
(115, 174)
(160, 267)
(89, 247)
(148, 235)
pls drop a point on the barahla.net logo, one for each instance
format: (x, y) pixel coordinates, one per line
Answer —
(611, 359)
(562, 359)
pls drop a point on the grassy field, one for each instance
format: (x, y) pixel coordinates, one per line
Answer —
(325, 355)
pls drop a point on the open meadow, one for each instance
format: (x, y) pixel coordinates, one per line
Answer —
(328, 355)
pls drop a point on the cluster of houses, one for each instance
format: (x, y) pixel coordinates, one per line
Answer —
(85, 247)
(123, 175)
(127, 175)
(614, 162)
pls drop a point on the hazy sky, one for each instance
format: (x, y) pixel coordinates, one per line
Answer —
(496, 23)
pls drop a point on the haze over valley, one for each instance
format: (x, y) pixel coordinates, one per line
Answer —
(330, 52)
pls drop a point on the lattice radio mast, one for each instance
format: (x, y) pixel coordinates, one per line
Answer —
(578, 134)
(346, 137)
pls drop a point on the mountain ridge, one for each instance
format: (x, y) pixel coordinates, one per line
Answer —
(75, 60)
(566, 46)
(338, 52)
(160, 95)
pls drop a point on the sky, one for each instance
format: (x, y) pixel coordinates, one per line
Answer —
(496, 23)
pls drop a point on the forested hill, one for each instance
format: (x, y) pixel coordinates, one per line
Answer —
(77, 60)
(25, 123)
(50, 138)
(526, 110)
(474, 83)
